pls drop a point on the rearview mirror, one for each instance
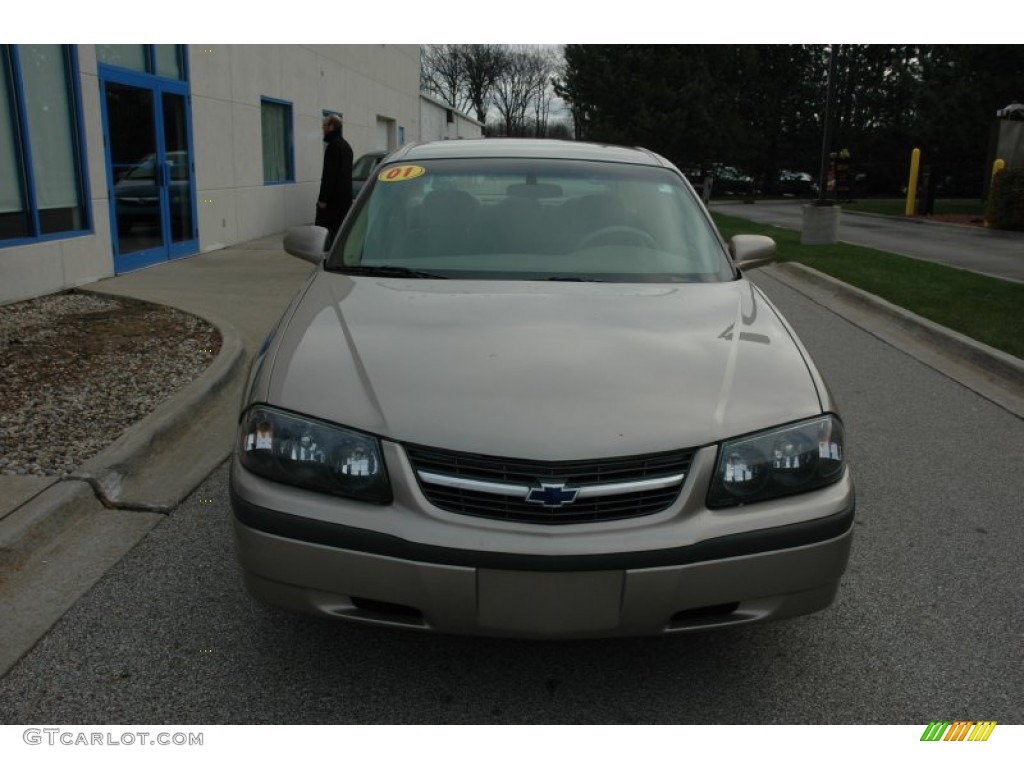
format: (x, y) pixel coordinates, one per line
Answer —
(750, 251)
(309, 243)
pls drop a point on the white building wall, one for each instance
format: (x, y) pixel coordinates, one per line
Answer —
(434, 125)
(362, 82)
(365, 83)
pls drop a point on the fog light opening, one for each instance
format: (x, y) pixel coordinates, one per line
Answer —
(384, 611)
(707, 614)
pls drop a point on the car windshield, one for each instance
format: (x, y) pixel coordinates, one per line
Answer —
(529, 219)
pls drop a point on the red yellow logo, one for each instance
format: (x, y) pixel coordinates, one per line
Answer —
(401, 173)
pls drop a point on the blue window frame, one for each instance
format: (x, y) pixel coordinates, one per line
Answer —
(278, 141)
(42, 174)
(150, 173)
(161, 60)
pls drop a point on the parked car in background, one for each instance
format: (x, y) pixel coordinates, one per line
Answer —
(698, 178)
(529, 392)
(137, 194)
(730, 181)
(796, 184)
(137, 188)
(363, 168)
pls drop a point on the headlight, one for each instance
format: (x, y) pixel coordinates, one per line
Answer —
(791, 459)
(313, 454)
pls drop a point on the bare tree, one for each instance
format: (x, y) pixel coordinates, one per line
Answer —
(516, 81)
(544, 66)
(482, 65)
(525, 74)
(443, 74)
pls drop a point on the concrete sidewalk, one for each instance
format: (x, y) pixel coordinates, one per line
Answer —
(58, 536)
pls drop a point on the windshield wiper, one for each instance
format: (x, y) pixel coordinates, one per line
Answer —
(383, 271)
(576, 279)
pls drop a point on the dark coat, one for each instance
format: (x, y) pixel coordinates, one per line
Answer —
(335, 183)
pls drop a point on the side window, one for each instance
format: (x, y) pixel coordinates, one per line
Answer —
(278, 150)
(42, 189)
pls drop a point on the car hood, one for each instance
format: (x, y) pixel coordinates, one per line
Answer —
(542, 370)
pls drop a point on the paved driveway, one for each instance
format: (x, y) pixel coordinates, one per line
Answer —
(990, 252)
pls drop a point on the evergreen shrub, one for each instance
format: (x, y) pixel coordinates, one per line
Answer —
(1005, 209)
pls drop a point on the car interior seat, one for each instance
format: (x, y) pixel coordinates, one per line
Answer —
(448, 223)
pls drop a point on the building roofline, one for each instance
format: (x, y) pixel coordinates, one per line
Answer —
(444, 105)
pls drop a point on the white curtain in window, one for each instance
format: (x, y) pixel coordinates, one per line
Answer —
(51, 127)
(127, 56)
(168, 61)
(10, 165)
(275, 141)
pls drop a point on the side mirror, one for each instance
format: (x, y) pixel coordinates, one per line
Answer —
(309, 243)
(750, 251)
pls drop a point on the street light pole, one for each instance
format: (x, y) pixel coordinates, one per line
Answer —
(826, 145)
(821, 218)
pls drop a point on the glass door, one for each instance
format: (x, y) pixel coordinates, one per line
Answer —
(178, 160)
(135, 172)
(149, 171)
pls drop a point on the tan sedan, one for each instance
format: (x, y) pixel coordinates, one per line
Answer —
(528, 392)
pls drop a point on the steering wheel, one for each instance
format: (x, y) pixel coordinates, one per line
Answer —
(617, 234)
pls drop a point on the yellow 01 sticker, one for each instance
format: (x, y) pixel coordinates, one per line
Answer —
(401, 173)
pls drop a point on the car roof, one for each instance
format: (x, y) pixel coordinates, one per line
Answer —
(527, 148)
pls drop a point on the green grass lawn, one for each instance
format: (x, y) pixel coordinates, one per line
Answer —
(984, 308)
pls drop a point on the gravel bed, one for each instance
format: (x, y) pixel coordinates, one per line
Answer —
(77, 369)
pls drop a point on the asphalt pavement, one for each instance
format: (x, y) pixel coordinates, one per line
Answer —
(58, 538)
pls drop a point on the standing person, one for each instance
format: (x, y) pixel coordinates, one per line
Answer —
(336, 181)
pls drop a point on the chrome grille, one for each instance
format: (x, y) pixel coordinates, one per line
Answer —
(520, 472)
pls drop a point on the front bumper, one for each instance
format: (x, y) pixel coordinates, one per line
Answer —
(409, 565)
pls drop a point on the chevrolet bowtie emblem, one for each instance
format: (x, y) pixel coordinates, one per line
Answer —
(552, 495)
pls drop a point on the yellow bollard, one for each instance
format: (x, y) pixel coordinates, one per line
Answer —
(997, 166)
(915, 163)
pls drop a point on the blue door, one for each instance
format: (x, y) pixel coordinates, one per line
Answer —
(150, 175)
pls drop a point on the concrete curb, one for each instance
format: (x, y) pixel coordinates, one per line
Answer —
(27, 530)
(110, 473)
(101, 482)
(59, 562)
(996, 375)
